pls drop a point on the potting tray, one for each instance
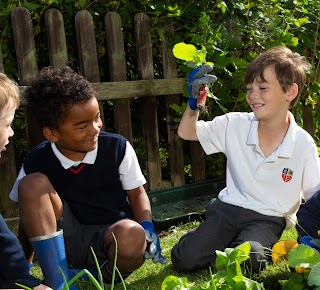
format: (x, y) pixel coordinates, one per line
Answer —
(172, 206)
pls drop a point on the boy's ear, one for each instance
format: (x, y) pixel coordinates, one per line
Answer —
(292, 92)
(49, 134)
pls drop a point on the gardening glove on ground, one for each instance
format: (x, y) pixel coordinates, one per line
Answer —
(309, 241)
(198, 82)
(153, 249)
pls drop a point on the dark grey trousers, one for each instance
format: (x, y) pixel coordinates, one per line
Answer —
(226, 226)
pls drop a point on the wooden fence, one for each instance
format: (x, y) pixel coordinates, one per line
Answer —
(119, 90)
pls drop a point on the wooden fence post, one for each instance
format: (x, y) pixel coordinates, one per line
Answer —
(56, 37)
(175, 142)
(117, 68)
(87, 50)
(308, 119)
(8, 173)
(149, 106)
(27, 64)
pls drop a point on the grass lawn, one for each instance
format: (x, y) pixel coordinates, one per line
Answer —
(150, 275)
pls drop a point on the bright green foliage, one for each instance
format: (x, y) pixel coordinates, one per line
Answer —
(189, 53)
(228, 276)
(232, 33)
(306, 257)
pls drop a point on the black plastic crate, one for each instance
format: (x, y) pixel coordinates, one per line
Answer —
(175, 205)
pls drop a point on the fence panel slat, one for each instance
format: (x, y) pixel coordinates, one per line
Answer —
(87, 50)
(117, 68)
(308, 119)
(56, 37)
(174, 141)
(197, 161)
(27, 64)
(149, 106)
(133, 89)
(8, 173)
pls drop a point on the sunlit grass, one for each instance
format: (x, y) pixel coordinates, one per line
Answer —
(151, 275)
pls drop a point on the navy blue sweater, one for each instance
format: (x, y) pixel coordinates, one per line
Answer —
(309, 217)
(13, 263)
(92, 191)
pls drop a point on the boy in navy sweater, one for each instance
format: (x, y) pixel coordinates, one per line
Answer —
(83, 181)
(13, 263)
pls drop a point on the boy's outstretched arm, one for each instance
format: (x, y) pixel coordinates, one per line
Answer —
(187, 126)
(198, 81)
(141, 208)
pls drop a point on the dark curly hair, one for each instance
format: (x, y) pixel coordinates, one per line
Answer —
(53, 92)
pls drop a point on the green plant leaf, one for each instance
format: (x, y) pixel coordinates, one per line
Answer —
(184, 51)
(314, 275)
(303, 256)
(174, 283)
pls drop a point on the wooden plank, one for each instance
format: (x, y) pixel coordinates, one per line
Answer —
(56, 37)
(117, 68)
(132, 89)
(27, 64)
(308, 124)
(149, 107)
(197, 161)
(87, 50)
(174, 141)
(8, 174)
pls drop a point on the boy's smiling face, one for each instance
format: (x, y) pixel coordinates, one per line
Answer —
(78, 133)
(267, 98)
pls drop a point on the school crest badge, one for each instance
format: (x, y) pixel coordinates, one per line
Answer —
(287, 174)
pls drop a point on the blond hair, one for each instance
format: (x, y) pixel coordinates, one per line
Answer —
(9, 92)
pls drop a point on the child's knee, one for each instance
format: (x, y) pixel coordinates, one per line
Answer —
(34, 182)
(184, 260)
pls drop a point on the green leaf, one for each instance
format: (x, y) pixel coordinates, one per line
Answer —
(303, 256)
(31, 6)
(301, 21)
(174, 283)
(314, 275)
(184, 51)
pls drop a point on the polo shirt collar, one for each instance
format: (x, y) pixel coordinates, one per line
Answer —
(66, 163)
(286, 147)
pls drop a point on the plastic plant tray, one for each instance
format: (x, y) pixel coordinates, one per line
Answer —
(172, 206)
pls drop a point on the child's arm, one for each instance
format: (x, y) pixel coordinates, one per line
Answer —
(140, 204)
(141, 209)
(309, 217)
(13, 265)
(198, 81)
(187, 126)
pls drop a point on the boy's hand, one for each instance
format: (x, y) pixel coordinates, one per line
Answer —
(198, 81)
(153, 249)
(309, 241)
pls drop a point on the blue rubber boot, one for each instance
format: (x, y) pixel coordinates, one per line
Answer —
(51, 254)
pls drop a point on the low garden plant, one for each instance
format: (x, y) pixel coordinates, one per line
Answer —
(228, 273)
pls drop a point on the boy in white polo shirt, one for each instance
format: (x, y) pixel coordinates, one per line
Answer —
(271, 162)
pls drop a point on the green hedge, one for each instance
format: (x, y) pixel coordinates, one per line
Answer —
(232, 32)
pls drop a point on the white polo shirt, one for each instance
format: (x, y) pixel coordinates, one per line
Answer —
(129, 171)
(272, 185)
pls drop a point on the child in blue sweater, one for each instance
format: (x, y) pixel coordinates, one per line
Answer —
(13, 263)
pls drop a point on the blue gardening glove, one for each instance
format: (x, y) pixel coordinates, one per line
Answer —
(309, 241)
(30, 265)
(153, 250)
(197, 78)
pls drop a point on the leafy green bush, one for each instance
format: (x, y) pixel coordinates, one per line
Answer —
(232, 32)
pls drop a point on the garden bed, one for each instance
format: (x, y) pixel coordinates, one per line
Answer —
(172, 206)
